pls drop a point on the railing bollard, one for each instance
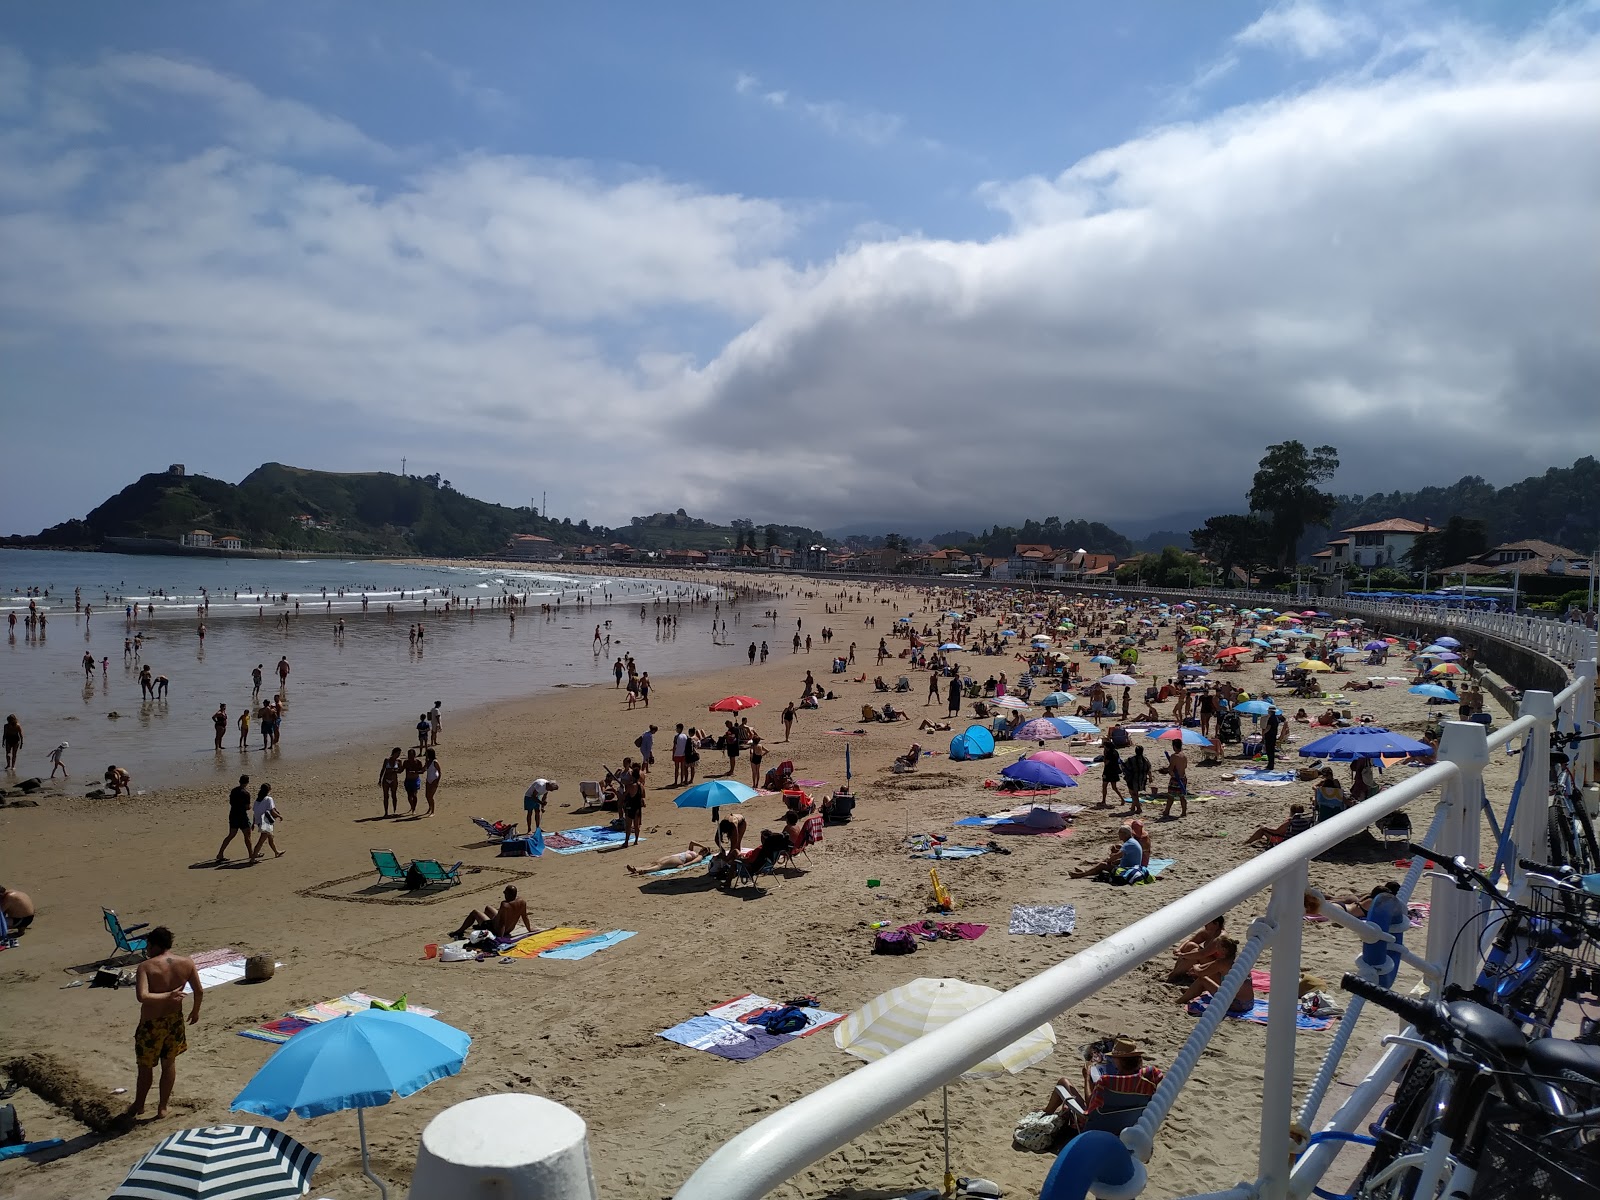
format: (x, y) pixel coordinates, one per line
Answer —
(506, 1147)
(1531, 832)
(1465, 744)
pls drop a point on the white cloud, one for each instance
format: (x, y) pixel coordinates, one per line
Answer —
(852, 122)
(1307, 29)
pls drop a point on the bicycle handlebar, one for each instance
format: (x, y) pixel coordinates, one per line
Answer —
(1420, 1013)
(1458, 868)
(1552, 870)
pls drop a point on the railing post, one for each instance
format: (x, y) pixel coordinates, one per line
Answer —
(1531, 832)
(1277, 1089)
(1464, 744)
(1583, 761)
(504, 1147)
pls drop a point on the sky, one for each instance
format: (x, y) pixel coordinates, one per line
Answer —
(921, 265)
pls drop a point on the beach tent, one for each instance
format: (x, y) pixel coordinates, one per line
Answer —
(976, 742)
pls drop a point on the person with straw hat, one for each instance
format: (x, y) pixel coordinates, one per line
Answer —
(1114, 1082)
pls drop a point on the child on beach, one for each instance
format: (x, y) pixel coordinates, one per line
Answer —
(58, 762)
(265, 816)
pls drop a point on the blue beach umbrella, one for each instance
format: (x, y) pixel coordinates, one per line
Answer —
(1192, 669)
(1362, 741)
(1433, 691)
(1343, 650)
(1070, 725)
(1040, 774)
(1253, 708)
(1447, 641)
(1056, 699)
(1103, 659)
(952, 646)
(714, 793)
(360, 1061)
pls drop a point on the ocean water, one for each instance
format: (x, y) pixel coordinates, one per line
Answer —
(363, 689)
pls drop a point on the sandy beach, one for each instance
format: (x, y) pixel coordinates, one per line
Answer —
(584, 1032)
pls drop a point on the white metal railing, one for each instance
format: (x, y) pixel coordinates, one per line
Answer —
(774, 1149)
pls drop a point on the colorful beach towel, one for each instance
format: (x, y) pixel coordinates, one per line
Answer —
(1267, 778)
(742, 1008)
(1258, 1014)
(281, 1030)
(587, 946)
(1043, 919)
(536, 944)
(726, 1030)
(665, 871)
(944, 931)
(585, 837)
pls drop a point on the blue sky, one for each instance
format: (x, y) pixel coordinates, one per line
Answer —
(826, 263)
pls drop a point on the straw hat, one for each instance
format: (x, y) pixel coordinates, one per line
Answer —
(1123, 1047)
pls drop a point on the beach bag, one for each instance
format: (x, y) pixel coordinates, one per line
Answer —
(782, 1020)
(1038, 1132)
(894, 941)
(258, 967)
(415, 880)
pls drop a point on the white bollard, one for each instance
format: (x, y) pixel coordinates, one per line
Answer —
(509, 1147)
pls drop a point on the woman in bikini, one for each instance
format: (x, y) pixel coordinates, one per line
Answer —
(431, 775)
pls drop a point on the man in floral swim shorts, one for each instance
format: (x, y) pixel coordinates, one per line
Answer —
(161, 1037)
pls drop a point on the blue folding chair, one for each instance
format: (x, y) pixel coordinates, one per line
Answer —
(121, 934)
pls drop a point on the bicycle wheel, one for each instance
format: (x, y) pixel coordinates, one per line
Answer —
(1539, 998)
(1589, 862)
(1405, 1122)
(1563, 848)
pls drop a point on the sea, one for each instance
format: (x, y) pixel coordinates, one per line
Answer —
(364, 688)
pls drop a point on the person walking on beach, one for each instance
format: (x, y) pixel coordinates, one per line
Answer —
(1178, 783)
(12, 739)
(283, 672)
(219, 725)
(266, 814)
(933, 688)
(435, 722)
(645, 743)
(58, 761)
(389, 781)
(238, 820)
(160, 1036)
(431, 775)
(758, 751)
(1269, 737)
(244, 728)
(752, 654)
(1137, 772)
(1111, 772)
(955, 696)
(788, 719)
(88, 665)
(255, 684)
(616, 673)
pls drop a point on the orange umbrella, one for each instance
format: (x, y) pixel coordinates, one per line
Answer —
(1233, 652)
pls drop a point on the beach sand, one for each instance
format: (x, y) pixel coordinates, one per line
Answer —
(584, 1032)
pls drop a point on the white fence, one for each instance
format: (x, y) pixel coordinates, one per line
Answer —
(776, 1148)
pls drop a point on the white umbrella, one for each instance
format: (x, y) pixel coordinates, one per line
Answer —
(1119, 681)
(1009, 702)
(902, 1015)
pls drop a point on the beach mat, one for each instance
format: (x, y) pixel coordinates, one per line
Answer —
(725, 1030)
(281, 1030)
(535, 944)
(742, 1008)
(666, 871)
(944, 931)
(1258, 1015)
(573, 951)
(951, 852)
(1045, 920)
(585, 837)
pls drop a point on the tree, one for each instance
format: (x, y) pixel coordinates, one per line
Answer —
(1233, 540)
(893, 541)
(1285, 492)
(1462, 538)
(772, 536)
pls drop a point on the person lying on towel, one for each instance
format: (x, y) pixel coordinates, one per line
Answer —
(668, 862)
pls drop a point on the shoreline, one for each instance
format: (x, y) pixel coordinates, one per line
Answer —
(584, 1033)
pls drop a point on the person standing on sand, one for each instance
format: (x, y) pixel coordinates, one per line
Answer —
(412, 770)
(12, 739)
(644, 688)
(238, 820)
(933, 688)
(255, 684)
(788, 719)
(161, 1037)
(431, 775)
(436, 721)
(283, 672)
(533, 801)
(244, 728)
(219, 725)
(1178, 783)
(955, 696)
(266, 818)
(389, 781)
(616, 673)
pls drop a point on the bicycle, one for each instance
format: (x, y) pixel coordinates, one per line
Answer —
(1572, 836)
(1482, 1112)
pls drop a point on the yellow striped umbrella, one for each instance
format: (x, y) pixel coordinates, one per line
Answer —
(903, 1014)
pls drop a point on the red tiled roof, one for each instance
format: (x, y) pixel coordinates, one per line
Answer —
(1392, 525)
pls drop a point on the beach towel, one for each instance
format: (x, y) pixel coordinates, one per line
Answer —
(23, 1148)
(741, 1008)
(1157, 865)
(585, 837)
(1258, 1014)
(665, 871)
(942, 852)
(588, 946)
(548, 939)
(1042, 919)
(725, 1039)
(944, 931)
(1267, 778)
(846, 732)
(281, 1030)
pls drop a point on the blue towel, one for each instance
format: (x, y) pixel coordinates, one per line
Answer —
(1258, 1014)
(1158, 865)
(943, 852)
(593, 945)
(29, 1148)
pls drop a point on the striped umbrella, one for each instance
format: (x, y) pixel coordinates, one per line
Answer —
(902, 1015)
(237, 1162)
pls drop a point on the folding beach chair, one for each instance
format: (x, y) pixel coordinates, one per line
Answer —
(122, 934)
(388, 866)
(1395, 829)
(432, 871)
(497, 831)
(589, 792)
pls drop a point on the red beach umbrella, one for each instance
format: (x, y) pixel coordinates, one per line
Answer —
(734, 704)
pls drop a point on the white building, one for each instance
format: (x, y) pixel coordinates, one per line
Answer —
(1383, 543)
(196, 537)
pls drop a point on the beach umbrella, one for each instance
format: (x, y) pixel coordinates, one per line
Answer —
(1104, 660)
(1446, 668)
(1192, 669)
(1070, 725)
(1311, 664)
(1311, 612)
(1119, 681)
(1198, 642)
(1057, 699)
(1447, 641)
(1447, 656)
(1434, 691)
(1065, 763)
(952, 646)
(1343, 650)
(359, 1061)
(222, 1162)
(1187, 736)
(1362, 741)
(1376, 645)
(1253, 708)
(714, 793)
(1009, 702)
(1261, 642)
(1232, 652)
(1040, 774)
(902, 1015)
(1040, 729)
(734, 704)
(1301, 635)
(1008, 633)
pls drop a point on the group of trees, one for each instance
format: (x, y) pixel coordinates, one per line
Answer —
(1285, 498)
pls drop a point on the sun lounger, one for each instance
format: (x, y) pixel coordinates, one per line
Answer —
(1395, 829)
(497, 831)
(122, 934)
(388, 866)
(589, 791)
(432, 871)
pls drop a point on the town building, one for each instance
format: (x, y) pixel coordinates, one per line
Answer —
(1528, 557)
(199, 539)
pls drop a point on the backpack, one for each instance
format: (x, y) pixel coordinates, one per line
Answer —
(10, 1128)
(894, 941)
(782, 1020)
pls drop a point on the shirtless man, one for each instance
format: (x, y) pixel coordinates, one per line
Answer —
(1177, 783)
(18, 908)
(161, 1037)
(682, 858)
(498, 921)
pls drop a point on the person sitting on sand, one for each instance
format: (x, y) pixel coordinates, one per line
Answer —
(1208, 977)
(1121, 1073)
(1124, 855)
(1356, 906)
(1298, 822)
(671, 862)
(1197, 948)
(498, 921)
(117, 780)
(878, 685)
